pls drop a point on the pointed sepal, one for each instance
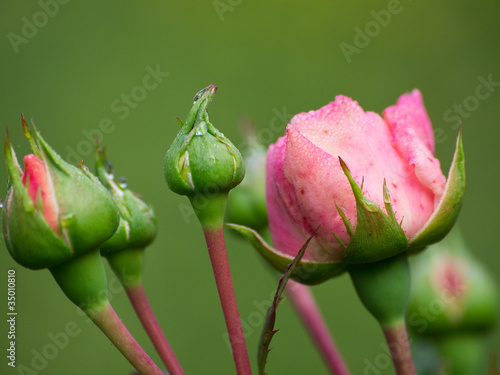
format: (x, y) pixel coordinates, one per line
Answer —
(377, 235)
(30, 138)
(306, 272)
(446, 213)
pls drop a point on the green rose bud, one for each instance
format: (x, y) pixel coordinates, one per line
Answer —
(453, 303)
(451, 291)
(201, 160)
(137, 229)
(53, 211)
(247, 202)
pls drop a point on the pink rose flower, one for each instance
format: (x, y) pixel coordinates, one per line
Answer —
(305, 181)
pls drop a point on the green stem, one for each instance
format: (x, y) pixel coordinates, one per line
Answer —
(384, 289)
(210, 210)
(127, 265)
(462, 353)
(83, 280)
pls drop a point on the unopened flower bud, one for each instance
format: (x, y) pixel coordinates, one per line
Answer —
(201, 160)
(247, 202)
(53, 211)
(137, 227)
(452, 292)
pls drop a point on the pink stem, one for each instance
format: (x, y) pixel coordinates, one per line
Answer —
(218, 256)
(143, 310)
(304, 303)
(107, 320)
(397, 340)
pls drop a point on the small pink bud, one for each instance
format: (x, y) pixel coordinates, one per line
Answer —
(451, 290)
(35, 174)
(53, 211)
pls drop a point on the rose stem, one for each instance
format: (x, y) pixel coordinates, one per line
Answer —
(307, 309)
(384, 289)
(83, 280)
(397, 340)
(211, 216)
(305, 305)
(107, 320)
(463, 353)
(143, 310)
(127, 265)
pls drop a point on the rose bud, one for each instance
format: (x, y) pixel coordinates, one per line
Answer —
(204, 165)
(247, 202)
(53, 211)
(452, 292)
(372, 183)
(56, 216)
(201, 160)
(137, 229)
(454, 302)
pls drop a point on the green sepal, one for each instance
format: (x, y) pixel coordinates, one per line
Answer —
(201, 160)
(377, 235)
(30, 138)
(137, 231)
(86, 226)
(44, 248)
(306, 272)
(268, 330)
(83, 280)
(137, 228)
(446, 213)
(51, 157)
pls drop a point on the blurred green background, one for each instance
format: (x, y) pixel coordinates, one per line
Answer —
(78, 62)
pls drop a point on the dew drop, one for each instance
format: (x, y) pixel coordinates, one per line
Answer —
(122, 182)
(201, 128)
(109, 168)
(199, 94)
